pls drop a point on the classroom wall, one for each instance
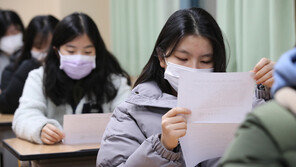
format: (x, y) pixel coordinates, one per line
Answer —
(99, 10)
(210, 6)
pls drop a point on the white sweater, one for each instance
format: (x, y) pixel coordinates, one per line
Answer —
(36, 110)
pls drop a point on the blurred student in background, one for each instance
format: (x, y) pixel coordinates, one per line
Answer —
(37, 39)
(11, 37)
(79, 76)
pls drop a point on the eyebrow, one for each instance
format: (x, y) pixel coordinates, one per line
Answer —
(88, 46)
(72, 46)
(183, 51)
(210, 55)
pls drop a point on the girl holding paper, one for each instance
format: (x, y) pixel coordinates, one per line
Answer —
(79, 76)
(144, 131)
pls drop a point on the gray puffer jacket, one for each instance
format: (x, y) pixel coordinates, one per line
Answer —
(132, 137)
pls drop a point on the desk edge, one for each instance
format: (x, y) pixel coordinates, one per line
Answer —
(30, 157)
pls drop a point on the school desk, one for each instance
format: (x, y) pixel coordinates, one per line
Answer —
(7, 159)
(53, 155)
(6, 120)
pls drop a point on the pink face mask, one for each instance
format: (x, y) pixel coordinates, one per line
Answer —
(77, 66)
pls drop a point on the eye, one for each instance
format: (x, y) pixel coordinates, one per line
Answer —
(181, 59)
(206, 62)
(70, 51)
(88, 52)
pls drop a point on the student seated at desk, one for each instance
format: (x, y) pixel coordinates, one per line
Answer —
(79, 76)
(11, 39)
(144, 131)
(37, 39)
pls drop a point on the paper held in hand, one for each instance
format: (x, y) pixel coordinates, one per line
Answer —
(219, 103)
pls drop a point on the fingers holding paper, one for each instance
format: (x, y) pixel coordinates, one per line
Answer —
(174, 126)
(264, 72)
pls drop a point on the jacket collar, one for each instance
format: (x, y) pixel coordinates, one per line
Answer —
(149, 94)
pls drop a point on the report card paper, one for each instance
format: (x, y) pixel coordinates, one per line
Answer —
(85, 128)
(219, 102)
(216, 97)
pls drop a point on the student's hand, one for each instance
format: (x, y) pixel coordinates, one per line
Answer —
(51, 134)
(174, 126)
(264, 72)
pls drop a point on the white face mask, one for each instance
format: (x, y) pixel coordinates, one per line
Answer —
(40, 56)
(173, 72)
(11, 43)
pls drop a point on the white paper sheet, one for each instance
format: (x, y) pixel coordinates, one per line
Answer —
(219, 103)
(85, 128)
(216, 97)
(205, 141)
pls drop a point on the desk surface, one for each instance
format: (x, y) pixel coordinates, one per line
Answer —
(6, 119)
(24, 150)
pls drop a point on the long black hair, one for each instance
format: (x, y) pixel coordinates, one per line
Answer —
(193, 21)
(62, 89)
(36, 34)
(8, 18)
